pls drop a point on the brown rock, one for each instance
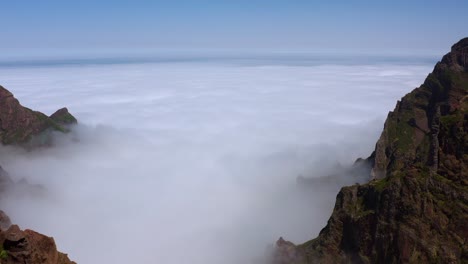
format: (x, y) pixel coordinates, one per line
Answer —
(15, 240)
(19, 125)
(29, 247)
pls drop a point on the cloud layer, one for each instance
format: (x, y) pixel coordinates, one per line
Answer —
(193, 162)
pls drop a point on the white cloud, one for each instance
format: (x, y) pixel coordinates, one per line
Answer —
(194, 163)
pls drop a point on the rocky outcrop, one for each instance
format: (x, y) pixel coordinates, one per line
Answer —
(411, 131)
(357, 173)
(63, 117)
(29, 247)
(20, 125)
(415, 208)
(27, 128)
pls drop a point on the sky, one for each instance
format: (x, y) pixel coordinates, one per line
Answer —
(205, 156)
(297, 25)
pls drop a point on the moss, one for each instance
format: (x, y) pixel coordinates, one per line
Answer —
(422, 152)
(433, 83)
(380, 184)
(400, 132)
(3, 253)
(358, 208)
(450, 120)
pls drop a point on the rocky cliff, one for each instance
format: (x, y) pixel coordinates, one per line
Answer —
(28, 246)
(20, 125)
(27, 128)
(415, 207)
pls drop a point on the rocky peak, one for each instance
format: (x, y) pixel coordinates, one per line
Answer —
(414, 209)
(20, 125)
(63, 117)
(457, 59)
(410, 134)
(27, 246)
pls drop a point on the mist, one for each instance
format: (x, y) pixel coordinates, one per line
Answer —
(193, 162)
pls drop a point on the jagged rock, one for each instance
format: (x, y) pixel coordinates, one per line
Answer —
(410, 132)
(21, 125)
(415, 210)
(15, 240)
(29, 247)
(63, 117)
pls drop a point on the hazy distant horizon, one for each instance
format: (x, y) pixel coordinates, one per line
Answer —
(238, 57)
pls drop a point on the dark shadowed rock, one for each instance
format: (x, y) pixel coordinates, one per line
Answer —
(415, 208)
(63, 117)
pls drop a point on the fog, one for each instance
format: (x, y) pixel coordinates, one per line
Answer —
(193, 162)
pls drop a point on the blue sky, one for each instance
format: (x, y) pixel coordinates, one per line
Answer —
(288, 25)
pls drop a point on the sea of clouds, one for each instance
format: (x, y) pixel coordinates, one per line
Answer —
(194, 162)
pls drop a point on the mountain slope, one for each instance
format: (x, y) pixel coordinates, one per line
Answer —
(21, 125)
(27, 128)
(415, 208)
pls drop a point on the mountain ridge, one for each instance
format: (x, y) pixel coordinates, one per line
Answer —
(20, 125)
(415, 207)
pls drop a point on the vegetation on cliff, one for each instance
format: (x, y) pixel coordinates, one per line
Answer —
(415, 208)
(22, 126)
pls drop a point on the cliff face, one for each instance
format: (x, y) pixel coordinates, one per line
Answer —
(415, 208)
(21, 125)
(412, 131)
(24, 127)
